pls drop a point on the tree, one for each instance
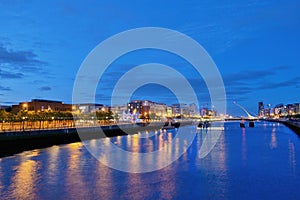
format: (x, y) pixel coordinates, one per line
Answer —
(3, 117)
(104, 116)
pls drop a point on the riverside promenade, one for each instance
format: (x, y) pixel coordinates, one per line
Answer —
(12, 142)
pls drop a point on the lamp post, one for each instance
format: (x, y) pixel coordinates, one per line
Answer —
(23, 123)
(53, 122)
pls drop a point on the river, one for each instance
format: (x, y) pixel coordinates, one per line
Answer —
(252, 163)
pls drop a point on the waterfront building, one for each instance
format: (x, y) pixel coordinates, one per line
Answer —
(279, 110)
(169, 111)
(203, 112)
(193, 110)
(120, 113)
(159, 109)
(208, 113)
(87, 107)
(138, 106)
(290, 109)
(38, 105)
(267, 112)
(185, 110)
(176, 110)
(261, 109)
(297, 108)
(146, 107)
(212, 113)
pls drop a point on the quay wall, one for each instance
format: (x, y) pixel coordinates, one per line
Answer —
(16, 142)
(292, 124)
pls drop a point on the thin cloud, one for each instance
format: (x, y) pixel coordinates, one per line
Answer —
(252, 77)
(246, 82)
(288, 83)
(45, 88)
(238, 90)
(246, 76)
(283, 67)
(9, 102)
(10, 75)
(22, 60)
(2, 88)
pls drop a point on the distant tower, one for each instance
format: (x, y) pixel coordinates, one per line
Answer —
(261, 109)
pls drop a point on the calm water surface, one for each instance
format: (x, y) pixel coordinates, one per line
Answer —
(252, 163)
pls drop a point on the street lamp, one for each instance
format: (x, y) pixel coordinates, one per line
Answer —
(53, 122)
(23, 122)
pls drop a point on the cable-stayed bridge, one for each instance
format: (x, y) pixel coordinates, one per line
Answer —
(250, 117)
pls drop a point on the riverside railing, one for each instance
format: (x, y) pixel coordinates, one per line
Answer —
(27, 125)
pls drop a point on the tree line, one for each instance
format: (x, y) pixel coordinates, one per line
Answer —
(57, 115)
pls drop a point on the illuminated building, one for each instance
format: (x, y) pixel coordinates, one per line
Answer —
(261, 109)
(146, 107)
(37, 105)
(87, 107)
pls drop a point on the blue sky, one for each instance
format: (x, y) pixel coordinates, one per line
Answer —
(255, 45)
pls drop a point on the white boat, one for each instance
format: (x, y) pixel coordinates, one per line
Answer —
(212, 128)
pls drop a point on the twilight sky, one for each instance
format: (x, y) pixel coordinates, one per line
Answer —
(255, 45)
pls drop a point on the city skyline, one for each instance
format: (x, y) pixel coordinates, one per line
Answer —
(291, 109)
(253, 43)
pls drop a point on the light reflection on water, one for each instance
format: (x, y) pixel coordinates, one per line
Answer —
(244, 146)
(25, 180)
(273, 142)
(248, 163)
(292, 158)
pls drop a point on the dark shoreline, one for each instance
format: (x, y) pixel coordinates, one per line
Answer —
(16, 142)
(294, 125)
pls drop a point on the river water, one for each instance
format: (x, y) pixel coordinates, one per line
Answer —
(251, 163)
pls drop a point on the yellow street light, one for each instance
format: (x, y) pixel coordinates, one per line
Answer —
(25, 106)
